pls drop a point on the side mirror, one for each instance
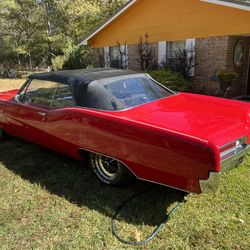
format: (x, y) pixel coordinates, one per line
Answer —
(17, 98)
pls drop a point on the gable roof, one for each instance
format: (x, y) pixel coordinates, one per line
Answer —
(238, 4)
(103, 25)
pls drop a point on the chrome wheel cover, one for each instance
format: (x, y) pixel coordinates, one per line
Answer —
(106, 167)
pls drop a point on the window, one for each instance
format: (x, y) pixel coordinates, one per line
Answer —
(171, 53)
(39, 92)
(162, 53)
(63, 97)
(114, 53)
(47, 93)
(116, 57)
(135, 90)
(168, 49)
(174, 47)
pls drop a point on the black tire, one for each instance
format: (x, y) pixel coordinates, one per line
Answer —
(109, 171)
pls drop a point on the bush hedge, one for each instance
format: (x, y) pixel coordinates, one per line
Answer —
(171, 80)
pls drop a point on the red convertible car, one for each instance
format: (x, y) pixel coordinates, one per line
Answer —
(130, 125)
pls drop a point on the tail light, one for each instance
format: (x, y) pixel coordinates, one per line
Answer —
(232, 148)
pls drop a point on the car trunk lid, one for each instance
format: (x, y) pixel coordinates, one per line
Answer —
(215, 119)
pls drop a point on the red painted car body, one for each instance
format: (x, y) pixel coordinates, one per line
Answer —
(175, 141)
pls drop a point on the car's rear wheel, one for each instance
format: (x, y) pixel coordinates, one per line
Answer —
(109, 171)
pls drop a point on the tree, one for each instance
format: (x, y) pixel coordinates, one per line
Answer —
(40, 30)
(21, 24)
(146, 54)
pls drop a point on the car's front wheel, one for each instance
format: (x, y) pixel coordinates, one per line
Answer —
(109, 171)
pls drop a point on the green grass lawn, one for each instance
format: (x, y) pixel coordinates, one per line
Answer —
(8, 84)
(51, 201)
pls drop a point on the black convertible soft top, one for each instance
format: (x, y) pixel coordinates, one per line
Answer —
(85, 90)
(81, 75)
(107, 89)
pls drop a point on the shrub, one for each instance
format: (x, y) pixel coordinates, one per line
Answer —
(121, 59)
(146, 54)
(171, 80)
(58, 62)
(77, 58)
(9, 73)
(73, 57)
(183, 62)
(4, 73)
(226, 76)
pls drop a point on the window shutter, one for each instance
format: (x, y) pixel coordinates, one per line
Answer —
(190, 44)
(124, 49)
(106, 57)
(162, 50)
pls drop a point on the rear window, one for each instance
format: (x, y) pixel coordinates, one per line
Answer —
(134, 91)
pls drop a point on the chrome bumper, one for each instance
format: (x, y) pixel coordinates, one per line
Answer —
(212, 183)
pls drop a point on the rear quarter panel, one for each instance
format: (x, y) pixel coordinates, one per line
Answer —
(150, 153)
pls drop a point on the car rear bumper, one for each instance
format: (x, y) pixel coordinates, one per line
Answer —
(212, 183)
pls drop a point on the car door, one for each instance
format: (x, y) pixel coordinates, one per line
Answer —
(61, 120)
(32, 111)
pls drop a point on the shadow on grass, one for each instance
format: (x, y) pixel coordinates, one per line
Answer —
(75, 182)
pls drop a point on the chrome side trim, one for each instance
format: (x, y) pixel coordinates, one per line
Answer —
(41, 113)
(212, 183)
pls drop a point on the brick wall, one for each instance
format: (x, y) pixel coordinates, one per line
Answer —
(97, 61)
(211, 56)
(132, 56)
(217, 53)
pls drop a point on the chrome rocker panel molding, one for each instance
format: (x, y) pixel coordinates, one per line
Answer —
(212, 183)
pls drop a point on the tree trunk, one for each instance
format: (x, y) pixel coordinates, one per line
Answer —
(19, 61)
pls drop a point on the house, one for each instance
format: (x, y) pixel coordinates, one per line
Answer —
(218, 29)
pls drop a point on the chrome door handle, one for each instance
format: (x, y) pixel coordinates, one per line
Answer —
(41, 113)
